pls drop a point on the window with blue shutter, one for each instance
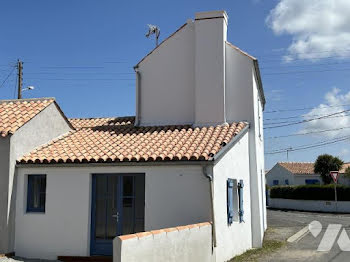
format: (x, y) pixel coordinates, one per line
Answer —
(36, 194)
(240, 196)
(230, 213)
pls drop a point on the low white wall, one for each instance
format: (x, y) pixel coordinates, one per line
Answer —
(185, 244)
(310, 205)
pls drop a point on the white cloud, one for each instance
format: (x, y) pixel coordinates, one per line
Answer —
(319, 28)
(334, 102)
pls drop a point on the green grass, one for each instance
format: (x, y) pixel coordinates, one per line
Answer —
(268, 247)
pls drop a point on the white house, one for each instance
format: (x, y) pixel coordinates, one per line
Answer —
(193, 153)
(299, 173)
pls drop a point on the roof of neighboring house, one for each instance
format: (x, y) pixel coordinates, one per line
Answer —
(298, 167)
(114, 140)
(344, 167)
(305, 167)
(15, 113)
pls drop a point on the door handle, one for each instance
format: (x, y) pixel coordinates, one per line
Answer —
(116, 216)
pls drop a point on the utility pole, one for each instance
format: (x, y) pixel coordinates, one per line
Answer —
(20, 78)
(290, 148)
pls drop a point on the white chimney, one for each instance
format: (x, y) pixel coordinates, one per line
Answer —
(210, 37)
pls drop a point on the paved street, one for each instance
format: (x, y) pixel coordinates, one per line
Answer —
(287, 223)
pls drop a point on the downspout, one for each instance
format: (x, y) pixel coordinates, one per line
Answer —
(211, 186)
(138, 94)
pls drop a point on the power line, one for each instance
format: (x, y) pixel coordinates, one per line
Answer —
(302, 108)
(82, 79)
(304, 65)
(308, 146)
(72, 67)
(307, 120)
(284, 122)
(290, 117)
(309, 133)
(2, 84)
(306, 72)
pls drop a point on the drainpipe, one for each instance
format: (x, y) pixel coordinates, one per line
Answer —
(138, 94)
(211, 185)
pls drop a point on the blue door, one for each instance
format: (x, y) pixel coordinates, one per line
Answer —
(117, 209)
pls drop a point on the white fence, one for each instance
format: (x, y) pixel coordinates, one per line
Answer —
(310, 205)
(185, 244)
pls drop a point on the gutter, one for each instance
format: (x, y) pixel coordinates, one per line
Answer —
(216, 158)
(116, 164)
(138, 95)
(209, 175)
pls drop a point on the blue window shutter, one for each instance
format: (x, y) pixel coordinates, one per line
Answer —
(240, 195)
(229, 201)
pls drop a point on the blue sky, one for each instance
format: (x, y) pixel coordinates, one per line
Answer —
(82, 53)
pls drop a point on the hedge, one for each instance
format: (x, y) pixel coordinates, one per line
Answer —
(311, 192)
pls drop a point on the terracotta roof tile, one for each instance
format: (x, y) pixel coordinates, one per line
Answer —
(305, 167)
(298, 167)
(117, 139)
(15, 113)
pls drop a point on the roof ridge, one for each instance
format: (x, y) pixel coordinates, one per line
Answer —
(103, 117)
(27, 99)
(170, 36)
(295, 162)
(240, 50)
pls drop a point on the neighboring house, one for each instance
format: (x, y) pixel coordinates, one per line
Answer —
(24, 125)
(298, 173)
(193, 153)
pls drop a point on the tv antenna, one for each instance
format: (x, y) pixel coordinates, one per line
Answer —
(153, 30)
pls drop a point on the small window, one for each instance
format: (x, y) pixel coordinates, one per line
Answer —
(286, 182)
(275, 182)
(36, 195)
(312, 181)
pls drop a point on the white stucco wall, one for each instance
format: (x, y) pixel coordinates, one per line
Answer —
(243, 103)
(279, 173)
(185, 244)
(299, 179)
(183, 80)
(236, 238)
(310, 205)
(45, 126)
(175, 195)
(167, 81)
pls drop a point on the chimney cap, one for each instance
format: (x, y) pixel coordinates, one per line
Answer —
(211, 15)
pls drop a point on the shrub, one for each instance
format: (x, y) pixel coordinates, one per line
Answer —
(311, 192)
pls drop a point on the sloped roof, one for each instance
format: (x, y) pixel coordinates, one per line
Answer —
(16, 113)
(114, 140)
(298, 167)
(305, 167)
(102, 121)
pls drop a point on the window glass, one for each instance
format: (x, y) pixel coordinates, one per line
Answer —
(36, 195)
(275, 182)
